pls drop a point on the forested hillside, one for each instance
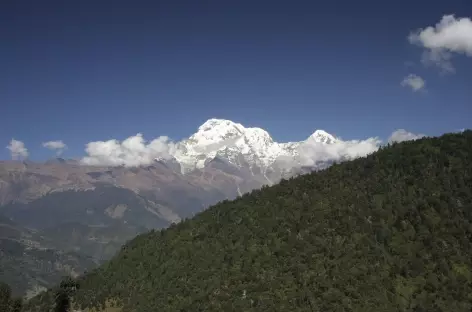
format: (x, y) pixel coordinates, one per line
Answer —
(390, 232)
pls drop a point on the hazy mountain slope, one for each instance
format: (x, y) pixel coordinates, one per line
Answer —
(95, 222)
(101, 206)
(79, 229)
(390, 232)
(29, 264)
(23, 182)
(98, 242)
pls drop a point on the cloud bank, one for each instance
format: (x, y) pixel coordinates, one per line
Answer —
(17, 149)
(402, 135)
(57, 146)
(414, 82)
(310, 152)
(449, 36)
(134, 151)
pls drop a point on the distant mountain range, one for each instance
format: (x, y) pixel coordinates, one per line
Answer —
(91, 207)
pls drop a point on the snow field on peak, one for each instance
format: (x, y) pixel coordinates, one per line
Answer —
(229, 140)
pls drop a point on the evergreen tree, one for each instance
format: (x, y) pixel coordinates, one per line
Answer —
(7, 302)
(5, 297)
(64, 293)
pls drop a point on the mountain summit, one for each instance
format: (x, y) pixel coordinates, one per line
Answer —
(240, 146)
(322, 136)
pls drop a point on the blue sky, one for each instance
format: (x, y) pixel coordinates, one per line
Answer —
(96, 70)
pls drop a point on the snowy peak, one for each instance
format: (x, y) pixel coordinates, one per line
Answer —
(322, 136)
(218, 123)
(238, 145)
(215, 131)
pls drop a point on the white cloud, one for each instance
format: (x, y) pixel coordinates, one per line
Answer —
(312, 152)
(451, 35)
(413, 81)
(57, 146)
(402, 135)
(135, 151)
(132, 152)
(17, 149)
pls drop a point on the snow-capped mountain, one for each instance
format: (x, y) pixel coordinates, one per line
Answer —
(251, 148)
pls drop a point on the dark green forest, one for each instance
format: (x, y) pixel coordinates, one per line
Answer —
(388, 232)
(8, 303)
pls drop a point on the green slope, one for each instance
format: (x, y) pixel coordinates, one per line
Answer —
(390, 232)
